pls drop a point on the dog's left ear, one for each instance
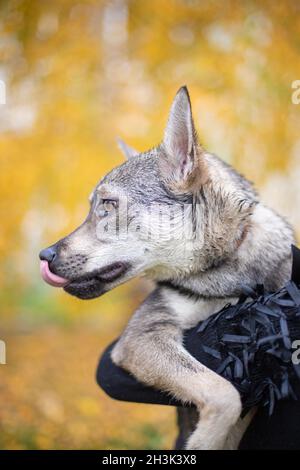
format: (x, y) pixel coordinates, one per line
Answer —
(181, 160)
(129, 152)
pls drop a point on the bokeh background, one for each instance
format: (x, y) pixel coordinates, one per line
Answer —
(78, 74)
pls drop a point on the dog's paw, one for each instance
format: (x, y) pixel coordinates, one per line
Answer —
(197, 441)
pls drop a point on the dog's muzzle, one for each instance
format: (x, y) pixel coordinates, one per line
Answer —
(98, 282)
(87, 286)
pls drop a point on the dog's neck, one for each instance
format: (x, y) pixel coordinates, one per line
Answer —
(194, 290)
(262, 255)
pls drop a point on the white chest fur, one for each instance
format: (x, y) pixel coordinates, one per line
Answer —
(190, 311)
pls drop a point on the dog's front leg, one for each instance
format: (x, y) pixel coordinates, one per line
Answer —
(151, 349)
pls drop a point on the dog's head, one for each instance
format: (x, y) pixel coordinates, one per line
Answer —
(164, 212)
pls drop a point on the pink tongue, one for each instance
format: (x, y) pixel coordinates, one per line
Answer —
(50, 277)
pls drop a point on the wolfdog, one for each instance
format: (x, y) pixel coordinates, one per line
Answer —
(195, 226)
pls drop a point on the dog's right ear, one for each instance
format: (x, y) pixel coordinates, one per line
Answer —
(129, 152)
(180, 163)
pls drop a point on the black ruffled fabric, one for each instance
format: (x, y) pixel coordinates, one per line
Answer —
(251, 343)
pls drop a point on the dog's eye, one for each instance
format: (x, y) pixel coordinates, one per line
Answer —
(109, 205)
(105, 206)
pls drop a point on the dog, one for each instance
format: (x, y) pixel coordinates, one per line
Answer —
(198, 229)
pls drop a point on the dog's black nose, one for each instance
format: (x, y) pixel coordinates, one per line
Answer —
(48, 254)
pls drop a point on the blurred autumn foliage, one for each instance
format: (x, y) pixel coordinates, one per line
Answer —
(77, 75)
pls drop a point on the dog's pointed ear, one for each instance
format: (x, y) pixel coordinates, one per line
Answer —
(181, 150)
(129, 152)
